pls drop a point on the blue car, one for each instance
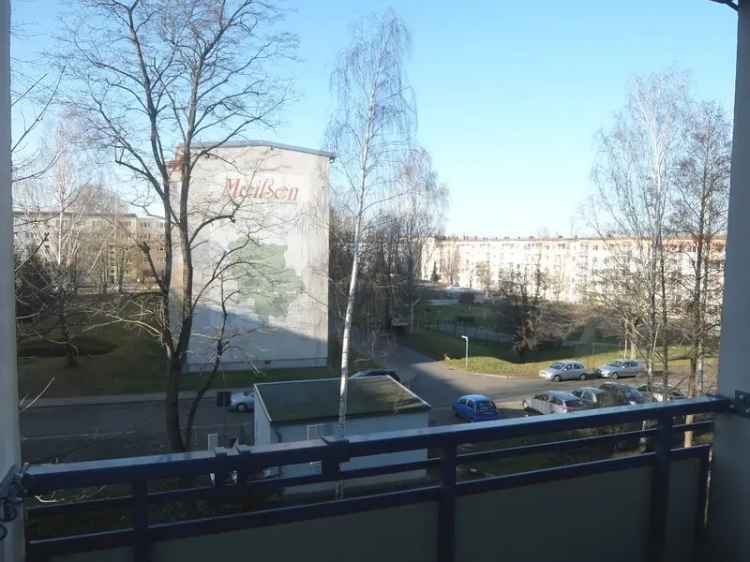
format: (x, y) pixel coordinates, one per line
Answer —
(475, 407)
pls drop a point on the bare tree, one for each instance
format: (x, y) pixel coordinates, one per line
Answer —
(53, 225)
(484, 275)
(419, 217)
(369, 132)
(147, 75)
(522, 292)
(700, 215)
(634, 176)
(451, 262)
(33, 95)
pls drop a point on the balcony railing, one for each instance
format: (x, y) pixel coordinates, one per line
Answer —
(646, 503)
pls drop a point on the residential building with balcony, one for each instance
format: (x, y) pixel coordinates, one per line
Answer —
(258, 213)
(573, 267)
(106, 249)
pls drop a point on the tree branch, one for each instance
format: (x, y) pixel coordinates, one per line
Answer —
(729, 3)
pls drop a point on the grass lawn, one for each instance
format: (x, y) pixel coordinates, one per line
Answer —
(500, 359)
(136, 366)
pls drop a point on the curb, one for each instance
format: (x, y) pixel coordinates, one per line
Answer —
(114, 399)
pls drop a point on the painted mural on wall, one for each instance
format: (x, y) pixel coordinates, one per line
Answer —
(277, 244)
(264, 280)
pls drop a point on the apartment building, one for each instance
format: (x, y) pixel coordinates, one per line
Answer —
(269, 263)
(573, 266)
(104, 249)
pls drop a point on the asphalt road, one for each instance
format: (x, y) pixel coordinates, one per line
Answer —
(82, 432)
(440, 385)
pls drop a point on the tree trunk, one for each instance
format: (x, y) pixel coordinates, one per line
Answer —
(664, 315)
(172, 404)
(71, 358)
(345, 340)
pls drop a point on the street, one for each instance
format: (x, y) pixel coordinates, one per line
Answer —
(440, 385)
(87, 431)
(84, 432)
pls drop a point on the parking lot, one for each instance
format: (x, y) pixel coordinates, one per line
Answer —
(88, 431)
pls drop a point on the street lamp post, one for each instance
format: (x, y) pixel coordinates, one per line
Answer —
(466, 356)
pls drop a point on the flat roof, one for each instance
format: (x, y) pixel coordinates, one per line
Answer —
(318, 399)
(269, 144)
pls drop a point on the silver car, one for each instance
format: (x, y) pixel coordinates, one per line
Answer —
(554, 402)
(564, 370)
(243, 401)
(620, 368)
(660, 393)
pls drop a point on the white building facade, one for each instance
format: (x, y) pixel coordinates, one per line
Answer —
(572, 266)
(259, 221)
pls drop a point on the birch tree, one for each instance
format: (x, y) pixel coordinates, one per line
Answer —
(54, 224)
(634, 177)
(369, 131)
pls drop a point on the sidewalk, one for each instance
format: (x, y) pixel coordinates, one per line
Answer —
(123, 398)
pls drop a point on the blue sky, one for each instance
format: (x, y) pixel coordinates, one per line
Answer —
(510, 93)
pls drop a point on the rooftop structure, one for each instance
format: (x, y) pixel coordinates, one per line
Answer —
(317, 400)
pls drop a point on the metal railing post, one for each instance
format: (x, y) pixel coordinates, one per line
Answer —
(447, 508)
(660, 490)
(142, 543)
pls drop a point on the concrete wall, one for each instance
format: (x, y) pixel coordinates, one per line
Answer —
(730, 489)
(359, 426)
(593, 518)
(603, 517)
(279, 308)
(263, 434)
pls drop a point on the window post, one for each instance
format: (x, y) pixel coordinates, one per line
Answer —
(11, 548)
(729, 502)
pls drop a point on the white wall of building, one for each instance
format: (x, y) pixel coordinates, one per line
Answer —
(279, 308)
(572, 265)
(266, 433)
(262, 432)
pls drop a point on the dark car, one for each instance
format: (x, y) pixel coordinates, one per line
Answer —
(624, 393)
(599, 398)
(660, 393)
(377, 373)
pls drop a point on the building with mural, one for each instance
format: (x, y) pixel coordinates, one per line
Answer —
(261, 257)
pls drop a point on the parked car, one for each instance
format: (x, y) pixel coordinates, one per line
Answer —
(624, 393)
(377, 373)
(660, 393)
(242, 401)
(554, 402)
(597, 397)
(564, 370)
(620, 368)
(475, 407)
